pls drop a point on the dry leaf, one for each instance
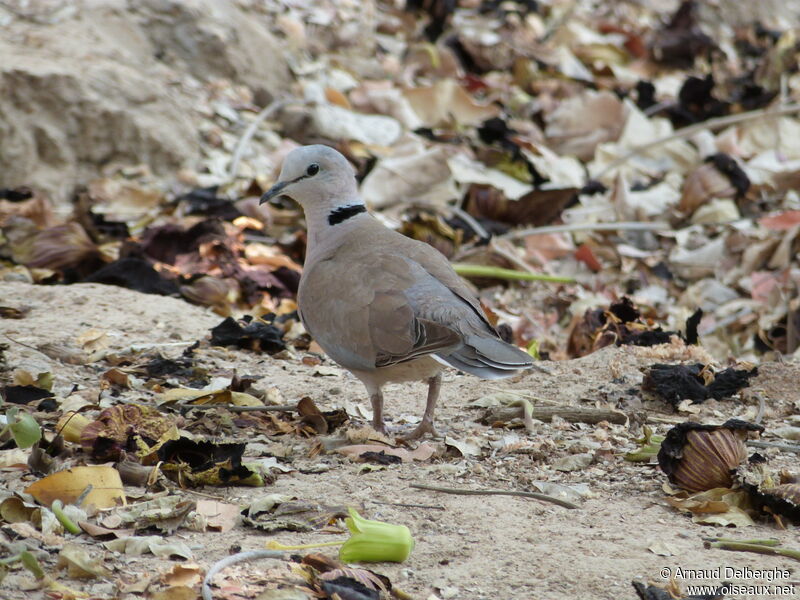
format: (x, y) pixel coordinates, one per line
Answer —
(421, 453)
(68, 485)
(448, 102)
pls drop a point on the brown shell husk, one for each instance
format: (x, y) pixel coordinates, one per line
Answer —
(699, 457)
(783, 500)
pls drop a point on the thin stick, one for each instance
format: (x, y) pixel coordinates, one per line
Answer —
(571, 227)
(461, 492)
(243, 409)
(765, 542)
(573, 414)
(477, 228)
(248, 134)
(757, 548)
(231, 560)
(22, 343)
(782, 447)
(711, 124)
(510, 256)
(404, 505)
(468, 270)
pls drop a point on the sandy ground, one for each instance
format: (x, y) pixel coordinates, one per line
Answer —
(470, 547)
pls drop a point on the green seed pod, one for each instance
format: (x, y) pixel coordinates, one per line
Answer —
(374, 541)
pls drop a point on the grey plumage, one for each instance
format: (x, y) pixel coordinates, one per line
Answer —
(384, 306)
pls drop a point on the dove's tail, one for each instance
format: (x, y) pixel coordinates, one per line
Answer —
(487, 358)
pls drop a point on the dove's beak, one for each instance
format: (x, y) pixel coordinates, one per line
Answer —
(273, 194)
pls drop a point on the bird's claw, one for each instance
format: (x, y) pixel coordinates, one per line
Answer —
(423, 428)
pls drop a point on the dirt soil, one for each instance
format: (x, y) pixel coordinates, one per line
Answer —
(470, 547)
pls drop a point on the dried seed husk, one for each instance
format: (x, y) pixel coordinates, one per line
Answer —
(698, 457)
(71, 425)
(62, 246)
(783, 500)
(709, 460)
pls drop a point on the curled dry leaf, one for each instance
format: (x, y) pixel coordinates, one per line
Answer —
(446, 102)
(582, 122)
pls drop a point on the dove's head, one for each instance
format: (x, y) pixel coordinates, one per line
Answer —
(318, 178)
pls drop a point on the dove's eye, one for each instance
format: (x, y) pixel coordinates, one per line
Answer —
(312, 169)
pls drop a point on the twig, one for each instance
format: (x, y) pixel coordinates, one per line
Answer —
(689, 131)
(477, 228)
(231, 560)
(241, 145)
(22, 343)
(461, 492)
(573, 414)
(404, 505)
(571, 227)
(178, 490)
(468, 270)
(243, 409)
(510, 256)
(757, 548)
(782, 447)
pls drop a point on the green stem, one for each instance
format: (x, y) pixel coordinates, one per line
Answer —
(756, 542)
(29, 561)
(468, 270)
(278, 546)
(757, 548)
(58, 510)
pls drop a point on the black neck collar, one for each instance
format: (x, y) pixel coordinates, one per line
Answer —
(342, 213)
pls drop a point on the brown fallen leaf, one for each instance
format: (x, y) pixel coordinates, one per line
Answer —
(421, 453)
(188, 575)
(220, 516)
(178, 592)
(68, 485)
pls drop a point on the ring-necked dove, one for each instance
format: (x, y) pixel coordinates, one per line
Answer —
(383, 306)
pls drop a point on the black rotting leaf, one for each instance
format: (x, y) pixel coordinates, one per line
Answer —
(624, 310)
(675, 383)
(200, 455)
(136, 274)
(728, 382)
(16, 194)
(204, 462)
(166, 242)
(249, 333)
(647, 338)
(691, 327)
(380, 458)
(682, 40)
(783, 500)
(182, 366)
(645, 94)
(696, 102)
(438, 12)
(24, 394)
(731, 169)
(347, 588)
(204, 201)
